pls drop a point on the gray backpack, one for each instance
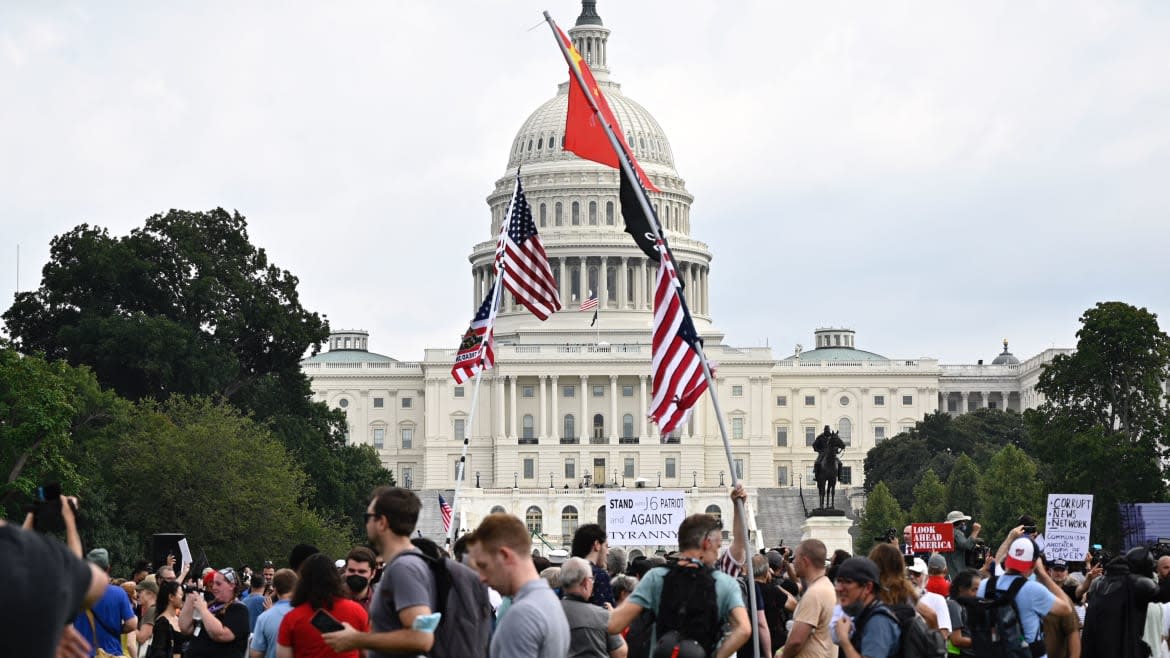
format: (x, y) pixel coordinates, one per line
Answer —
(466, 626)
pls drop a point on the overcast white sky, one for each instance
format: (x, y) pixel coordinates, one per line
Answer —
(938, 176)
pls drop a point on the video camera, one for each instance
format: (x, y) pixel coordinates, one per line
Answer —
(1099, 556)
(977, 556)
(1160, 548)
(189, 588)
(887, 537)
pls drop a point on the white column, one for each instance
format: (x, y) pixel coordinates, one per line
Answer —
(623, 282)
(613, 417)
(512, 404)
(603, 284)
(498, 426)
(564, 282)
(585, 424)
(542, 432)
(556, 418)
(583, 281)
(643, 405)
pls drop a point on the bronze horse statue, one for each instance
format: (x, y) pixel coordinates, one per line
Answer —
(828, 466)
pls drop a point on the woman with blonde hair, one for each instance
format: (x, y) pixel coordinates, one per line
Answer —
(895, 588)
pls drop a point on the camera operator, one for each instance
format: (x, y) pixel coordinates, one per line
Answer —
(45, 584)
(1116, 614)
(966, 540)
(222, 627)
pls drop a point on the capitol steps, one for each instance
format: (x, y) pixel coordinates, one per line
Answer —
(780, 515)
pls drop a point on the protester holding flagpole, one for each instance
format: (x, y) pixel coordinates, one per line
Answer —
(680, 369)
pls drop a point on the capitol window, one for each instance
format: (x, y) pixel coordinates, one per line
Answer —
(343, 403)
(782, 476)
(407, 403)
(557, 214)
(737, 391)
(844, 401)
(378, 403)
(527, 391)
(879, 400)
(627, 391)
(810, 435)
(529, 468)
(737, 428)
(458, 391)
(609, 213)
(576, 214)
(379, 438)
(570, 468)
(598, 391)
(407, 438)
(907, 400)
(529, 428)
(628, 467)
(879, 433)
(671, 469)
(543, 215)
(570, 391)
(593, 213)
(810, 400)
(781, 400)
(782, 436)
(460, 429)
(532, 518)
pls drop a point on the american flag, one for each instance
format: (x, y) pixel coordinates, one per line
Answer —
(524, 264)
(590, 304)
(475, 352)
(445, 510)
(676, 364)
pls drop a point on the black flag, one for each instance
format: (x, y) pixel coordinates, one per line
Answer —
(637, 224)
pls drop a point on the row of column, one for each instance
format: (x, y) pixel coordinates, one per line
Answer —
(965, 403)
(507, 420)
(637, 272)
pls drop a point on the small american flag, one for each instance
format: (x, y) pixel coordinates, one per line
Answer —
(523, 263)
(445, 510)
(475, 350)
(675, 362)
(590, 304)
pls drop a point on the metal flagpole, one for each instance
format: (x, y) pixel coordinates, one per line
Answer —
(497, 288)
(652, 219)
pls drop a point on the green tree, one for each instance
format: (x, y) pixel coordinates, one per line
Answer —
(202, 468)
(1009, 487)
(930, 499)
(1113, 381)
(963, 487)
(187, 305)
(881, 513)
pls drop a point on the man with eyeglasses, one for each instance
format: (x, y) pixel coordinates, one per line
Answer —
(221, 630)
(683, 628)
(588, 637)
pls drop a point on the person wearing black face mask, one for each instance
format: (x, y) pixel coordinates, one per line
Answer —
(359, 569)
(868, 628)
(966, 533)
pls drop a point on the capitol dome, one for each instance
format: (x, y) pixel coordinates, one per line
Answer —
(1005, 357)
(577, 211)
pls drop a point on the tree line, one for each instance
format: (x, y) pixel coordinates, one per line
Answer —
(1103, 429)
(157, 377)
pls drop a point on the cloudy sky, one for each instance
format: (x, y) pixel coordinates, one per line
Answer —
(938, 176)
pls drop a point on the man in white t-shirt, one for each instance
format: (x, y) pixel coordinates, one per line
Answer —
(917, 572)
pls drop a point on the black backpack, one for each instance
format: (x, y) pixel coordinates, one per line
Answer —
(688, 609)
(917, 640)
(465, 628)
(994, 622)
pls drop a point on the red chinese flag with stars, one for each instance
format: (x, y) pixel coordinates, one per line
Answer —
(583, 134)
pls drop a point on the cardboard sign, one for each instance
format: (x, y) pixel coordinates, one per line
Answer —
(932, 537)
(1066, 528)
(644, 518)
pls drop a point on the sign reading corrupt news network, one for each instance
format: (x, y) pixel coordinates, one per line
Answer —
(1066, 531)
(932, 537)
(644, 518)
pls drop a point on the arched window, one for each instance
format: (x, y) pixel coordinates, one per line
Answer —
(714, 511)
(568, 521)
(628, 426)
(601, 517)
(574, 281)
(529, 427)
(592, 279)
(534, 519)
(609, 213)
(558, 219)
(539, 143)
(630, 284)
(593, 213)
(845, 430)
(543, 215)
(498, 509)
(598, 426)
(576, 214)
(570, 427)
(610, 284)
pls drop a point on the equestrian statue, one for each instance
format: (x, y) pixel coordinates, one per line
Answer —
(827, 469)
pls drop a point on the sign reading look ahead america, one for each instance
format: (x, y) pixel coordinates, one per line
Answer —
(644, 518)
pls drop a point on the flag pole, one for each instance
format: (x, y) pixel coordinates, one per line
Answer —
(497, 288)
(644, 202)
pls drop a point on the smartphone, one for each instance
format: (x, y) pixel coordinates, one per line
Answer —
(325, 622)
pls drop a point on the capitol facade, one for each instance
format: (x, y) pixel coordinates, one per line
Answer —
(561, 419)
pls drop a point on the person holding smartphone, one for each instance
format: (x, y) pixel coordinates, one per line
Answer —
(320, 605)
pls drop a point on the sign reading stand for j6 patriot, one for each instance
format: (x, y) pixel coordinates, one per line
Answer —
(1067, 528)
(644, 518)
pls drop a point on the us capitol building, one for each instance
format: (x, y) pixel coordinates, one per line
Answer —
(561, 419)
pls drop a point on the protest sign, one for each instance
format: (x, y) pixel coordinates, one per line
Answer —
(643, 518)
(932, 537)
(1066, 530)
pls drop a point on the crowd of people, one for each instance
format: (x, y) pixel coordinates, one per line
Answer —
(493, 595)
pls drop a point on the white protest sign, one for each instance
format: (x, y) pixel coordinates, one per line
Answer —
(184, 553)
(1066, 531)
(643, 518)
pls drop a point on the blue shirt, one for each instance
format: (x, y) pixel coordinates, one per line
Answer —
(1034, 601)
(267, 627)
(255, 605)
(880, 636)
(111, 611)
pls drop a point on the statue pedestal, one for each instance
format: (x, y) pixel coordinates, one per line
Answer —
(832, 530)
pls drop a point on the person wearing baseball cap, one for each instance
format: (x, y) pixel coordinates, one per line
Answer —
(1035, 599)
(878, 633)
(966, 532)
